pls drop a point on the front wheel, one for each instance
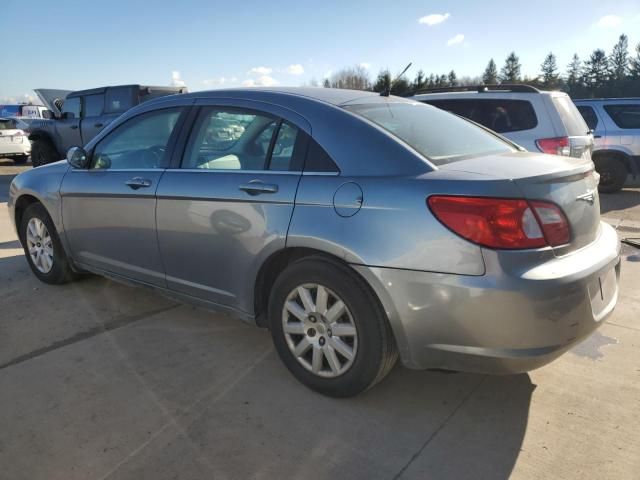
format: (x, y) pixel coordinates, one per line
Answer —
(42, 246)
(329, 328)
(43, 152)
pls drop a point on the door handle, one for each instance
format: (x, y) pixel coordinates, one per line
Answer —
(597, 136)
(98, 125)
(138, 182)
(74, 127)
(256, 187)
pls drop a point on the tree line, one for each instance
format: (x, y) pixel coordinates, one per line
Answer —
(616, 74)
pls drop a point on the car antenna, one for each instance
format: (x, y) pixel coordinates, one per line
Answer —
(387, 91)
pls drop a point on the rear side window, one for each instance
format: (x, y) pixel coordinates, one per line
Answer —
(437, 135)
(624, 116)
(119, 100)
(570, 116)
(318, 160)
(502, 116)
(93, 105)
(589, 116)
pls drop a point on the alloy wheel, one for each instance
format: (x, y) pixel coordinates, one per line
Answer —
(40, 245)
(319, 330)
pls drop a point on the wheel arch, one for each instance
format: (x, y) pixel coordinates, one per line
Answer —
(621, 155)
(21, 204)
(41, 135)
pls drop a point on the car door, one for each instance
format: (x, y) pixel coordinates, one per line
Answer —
(227, 203)
(108, 210)
(68, 126)
(92, 112)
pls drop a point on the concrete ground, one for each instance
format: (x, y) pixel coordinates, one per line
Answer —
(99, 380)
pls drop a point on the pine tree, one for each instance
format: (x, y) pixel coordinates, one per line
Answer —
(510, 73)
(634, 64)
(490, 75)
(596, 70)
(619, 59)
(420, 81)
(574, 70)
(326, 83)
(453, 79)
(549, 71)
(383, 81)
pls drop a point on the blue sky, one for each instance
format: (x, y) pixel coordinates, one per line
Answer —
(209, 44)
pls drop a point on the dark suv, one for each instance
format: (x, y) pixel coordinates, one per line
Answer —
(79, 116)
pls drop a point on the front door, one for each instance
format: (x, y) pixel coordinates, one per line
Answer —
(108, 210)
(227, 206)
(68, 126)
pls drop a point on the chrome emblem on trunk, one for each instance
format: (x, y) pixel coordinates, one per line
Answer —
(589, 197)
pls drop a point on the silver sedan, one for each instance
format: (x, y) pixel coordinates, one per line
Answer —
(356, 227)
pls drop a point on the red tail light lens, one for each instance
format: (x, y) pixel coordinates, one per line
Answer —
(502, 222)
(555, 146)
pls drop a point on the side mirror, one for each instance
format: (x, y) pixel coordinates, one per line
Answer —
(77, 157)
(47, 114)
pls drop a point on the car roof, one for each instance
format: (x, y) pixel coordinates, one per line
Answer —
(489, 94)
(77, 93)
(619, 99)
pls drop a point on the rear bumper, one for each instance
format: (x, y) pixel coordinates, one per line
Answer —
(10, 149)
(509, 320)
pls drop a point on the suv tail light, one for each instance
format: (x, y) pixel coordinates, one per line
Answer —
(555, 146)
(502, 222)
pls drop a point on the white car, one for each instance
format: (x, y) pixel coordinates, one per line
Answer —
(14, 141)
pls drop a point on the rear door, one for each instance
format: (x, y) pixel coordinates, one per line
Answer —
(226, 204)
(626, 117)
(573, 126)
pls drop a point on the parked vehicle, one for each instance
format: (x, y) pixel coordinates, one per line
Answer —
(616, 126)
(79, 116)
(14, 143)
(539, 121)
(23, 111)
(356, 227)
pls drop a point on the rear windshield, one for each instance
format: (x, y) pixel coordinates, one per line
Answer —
(624, 116)
(438, 135)
(502, 116)
(570, 116)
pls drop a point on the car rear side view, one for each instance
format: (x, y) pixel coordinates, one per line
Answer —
(539, 121)
(358, 228)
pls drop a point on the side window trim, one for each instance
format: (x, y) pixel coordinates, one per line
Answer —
(272, 144)
(171, 144)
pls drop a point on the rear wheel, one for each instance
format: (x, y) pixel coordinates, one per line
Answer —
(43, 152)
(42, 246)
(613, 174)
(329, 328)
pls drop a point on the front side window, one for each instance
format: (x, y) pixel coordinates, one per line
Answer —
(93, 105)
(589, 116)
(438, 135)
(139, 143)
(71, 108)
(232, 139)
(624, 116)
(118, 100)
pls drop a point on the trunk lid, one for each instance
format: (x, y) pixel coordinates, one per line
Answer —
(571, 183)
(52, 98)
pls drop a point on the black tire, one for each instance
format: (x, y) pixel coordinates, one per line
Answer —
(60, 271)
(376, 351)
(20, 159)
(43, 152)
(613, 174)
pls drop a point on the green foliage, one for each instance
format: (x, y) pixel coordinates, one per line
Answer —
(510, 72)
(490, 75)
(549, 70)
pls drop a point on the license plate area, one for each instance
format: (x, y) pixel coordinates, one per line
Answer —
(603, 293)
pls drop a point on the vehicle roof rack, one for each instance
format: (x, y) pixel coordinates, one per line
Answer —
(503, 87)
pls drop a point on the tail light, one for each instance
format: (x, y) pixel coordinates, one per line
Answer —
(555, 146)
(502, 222)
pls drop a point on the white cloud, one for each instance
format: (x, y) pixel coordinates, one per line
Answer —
(295, 69)
(609, 21)
(260, 71)
(262, 81)
(365, 65)
(459, 38)
(434, 19)
(176, 80)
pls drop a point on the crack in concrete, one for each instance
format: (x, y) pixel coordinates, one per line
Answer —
(439, 429)
(80, 336)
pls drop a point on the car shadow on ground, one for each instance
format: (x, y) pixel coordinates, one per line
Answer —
(624, 199)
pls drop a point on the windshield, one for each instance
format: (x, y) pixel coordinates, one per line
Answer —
(438, 135)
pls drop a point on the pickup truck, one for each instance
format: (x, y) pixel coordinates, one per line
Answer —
(76, 117)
